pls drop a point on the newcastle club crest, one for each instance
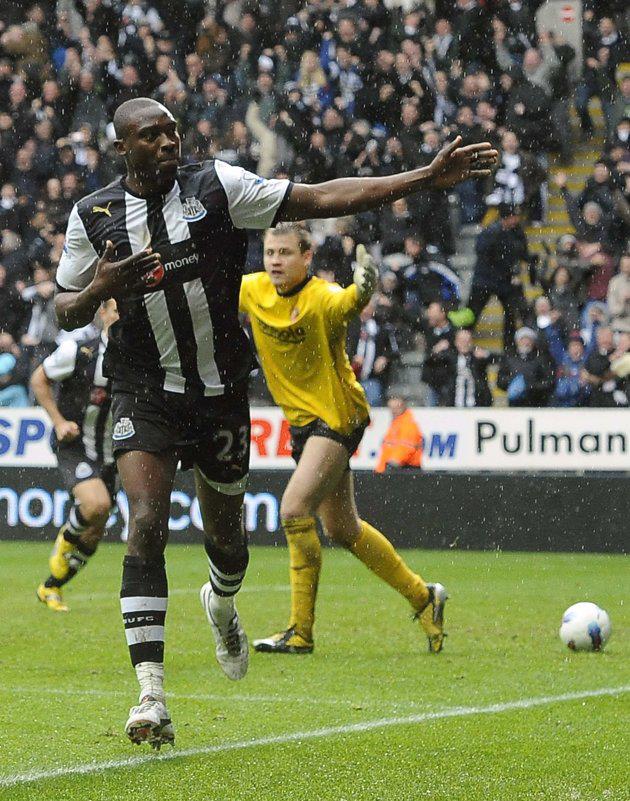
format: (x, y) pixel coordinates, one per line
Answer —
(193, 209)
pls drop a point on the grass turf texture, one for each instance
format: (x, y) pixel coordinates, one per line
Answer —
(66, 685)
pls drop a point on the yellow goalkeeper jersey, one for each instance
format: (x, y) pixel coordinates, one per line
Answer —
(301, 341)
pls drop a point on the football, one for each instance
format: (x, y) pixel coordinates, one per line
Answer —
(585, 627)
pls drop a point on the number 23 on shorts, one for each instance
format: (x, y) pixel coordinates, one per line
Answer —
(231, 446)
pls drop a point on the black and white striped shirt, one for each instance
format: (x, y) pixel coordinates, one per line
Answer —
(84, 393)
(184, 334)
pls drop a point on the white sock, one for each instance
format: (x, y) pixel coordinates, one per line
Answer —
(222, 609)
(151, 678)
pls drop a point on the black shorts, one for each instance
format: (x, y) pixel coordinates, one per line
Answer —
(318, 428)
(75, 467)
(209, 433)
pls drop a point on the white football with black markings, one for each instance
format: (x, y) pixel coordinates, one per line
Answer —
(585, 627)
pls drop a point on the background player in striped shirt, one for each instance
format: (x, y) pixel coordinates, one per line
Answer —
(82, 441)
(299, 324)
(168, 242)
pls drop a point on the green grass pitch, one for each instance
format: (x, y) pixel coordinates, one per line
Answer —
(370, 715)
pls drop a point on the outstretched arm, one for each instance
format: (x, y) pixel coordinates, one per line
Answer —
(342, 305)
(365, 275)
(353, 195)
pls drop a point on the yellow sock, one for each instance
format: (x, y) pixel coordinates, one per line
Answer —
(305, 561)
(377, 553)
(57, 561)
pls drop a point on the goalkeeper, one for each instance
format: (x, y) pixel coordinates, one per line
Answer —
(299, 325)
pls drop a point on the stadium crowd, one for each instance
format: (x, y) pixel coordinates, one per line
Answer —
(324, 89)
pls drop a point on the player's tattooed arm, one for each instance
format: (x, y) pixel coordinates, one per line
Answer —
(111, 279)
(342, 196)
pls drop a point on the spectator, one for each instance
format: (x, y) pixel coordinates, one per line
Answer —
(312, 80)
(409, 132)
(527, 114)
(601, 270)
(620, 364)
(444, 46)
(594, 230)
(571, 388)
(500, 248)
(12, 255)
(93, 174)
(599, 188)
(593, 318)
(526, 373)
(619, 144)
(211, 105)
(539, 64)
(9, 210)
(619, 296)
(445, 109)
(379, 99)
(345, 78)
(439, 336)
(463, 372)
(469, 192)
(42, 329)
(561, 94)
(25, 177)
(621, 107)
(487, 119)
(19, 111)
(373, 350)
(470, 26)
(402, 443)
(433, 204)
(336, 253)
(12, 308)
(563, 296)
(14, 374)
(568, 257)
(518, 179)
(388, 307)
(88, 106)
(606, 387)
(550, 328)
(427, 279)
(519, 19)
(604, 50)
(396, 221)
(508, 48)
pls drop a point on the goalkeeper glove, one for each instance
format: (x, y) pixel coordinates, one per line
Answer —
(365, 274)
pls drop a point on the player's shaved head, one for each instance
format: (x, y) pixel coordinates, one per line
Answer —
(147, 139)
(134, 112)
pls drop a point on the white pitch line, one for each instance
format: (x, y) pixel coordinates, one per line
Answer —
(281, 739)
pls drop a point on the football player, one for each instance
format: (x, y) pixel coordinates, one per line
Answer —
(81, 439)
(299, 324)
(169, 242)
